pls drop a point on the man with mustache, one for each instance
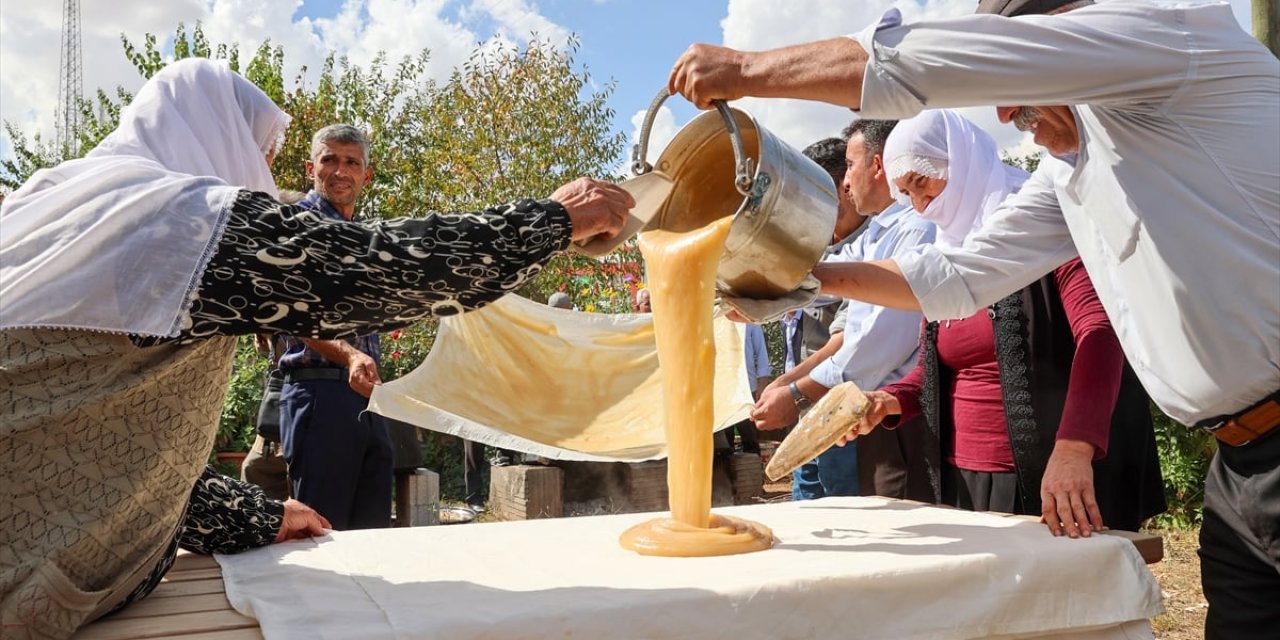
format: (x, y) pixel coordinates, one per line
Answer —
(1164, 177)
(340, 457)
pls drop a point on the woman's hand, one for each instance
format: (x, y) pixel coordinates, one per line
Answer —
(880, 405)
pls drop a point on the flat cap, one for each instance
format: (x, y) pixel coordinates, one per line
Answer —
(1011, 8)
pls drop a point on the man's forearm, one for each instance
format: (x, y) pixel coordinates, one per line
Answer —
(339, 351)
(827, 71)
(877, 282)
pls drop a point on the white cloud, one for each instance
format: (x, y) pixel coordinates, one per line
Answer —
(661, 132)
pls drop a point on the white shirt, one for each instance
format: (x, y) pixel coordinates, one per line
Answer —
(757, 356)
(1173, 202)
(790, 323)
(880, 344)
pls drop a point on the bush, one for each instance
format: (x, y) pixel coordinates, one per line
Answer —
(237, 426)
(1185, 454)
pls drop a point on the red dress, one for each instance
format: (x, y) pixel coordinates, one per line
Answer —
(967, 349)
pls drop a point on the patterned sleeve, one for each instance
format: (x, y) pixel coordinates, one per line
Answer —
(226, 515)
(284, 269)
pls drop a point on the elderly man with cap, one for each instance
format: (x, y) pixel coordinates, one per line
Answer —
(1164, 177)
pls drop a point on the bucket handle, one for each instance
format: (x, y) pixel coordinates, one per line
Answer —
(743, 181)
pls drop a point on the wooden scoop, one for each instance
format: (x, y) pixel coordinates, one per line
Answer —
(834, 415)
(651, 191)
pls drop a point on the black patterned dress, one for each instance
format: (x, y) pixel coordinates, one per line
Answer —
(285, 269)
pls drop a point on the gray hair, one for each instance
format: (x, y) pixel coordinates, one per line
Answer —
(344, 133)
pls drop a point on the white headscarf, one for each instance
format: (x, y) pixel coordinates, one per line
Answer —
(117, 241)
(943, 144)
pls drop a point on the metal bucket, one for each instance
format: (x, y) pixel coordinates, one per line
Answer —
(723, 163)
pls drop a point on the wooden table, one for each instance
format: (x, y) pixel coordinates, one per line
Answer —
(191, 604)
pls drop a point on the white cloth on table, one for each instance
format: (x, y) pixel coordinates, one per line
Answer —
(843, 567)
(556, 383)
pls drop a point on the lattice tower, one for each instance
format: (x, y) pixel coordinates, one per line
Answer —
(70, 80)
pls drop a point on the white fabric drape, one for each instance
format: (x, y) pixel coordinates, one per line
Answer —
(117, 240)
(866, 568)
(557, 383)
(943, 144)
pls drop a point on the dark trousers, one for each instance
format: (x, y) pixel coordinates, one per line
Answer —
(748, 433)
(1240, 541)
(474, 467)
(981, 490)
(339, 455)
(893, 463)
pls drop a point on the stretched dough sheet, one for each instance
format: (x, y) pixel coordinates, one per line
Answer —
(556, 383)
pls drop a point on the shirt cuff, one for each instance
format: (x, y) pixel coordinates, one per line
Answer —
(559, 220)
(942, 293)
(883, 96)
(826, 374)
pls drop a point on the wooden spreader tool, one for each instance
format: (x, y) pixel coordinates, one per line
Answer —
(833, 416)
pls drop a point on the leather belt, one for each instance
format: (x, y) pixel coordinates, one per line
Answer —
(314, 373)
(1248, 425)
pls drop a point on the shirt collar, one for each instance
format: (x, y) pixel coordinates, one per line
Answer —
(316, 202)
(887, 219)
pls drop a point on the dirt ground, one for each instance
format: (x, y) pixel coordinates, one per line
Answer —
(1179, 577)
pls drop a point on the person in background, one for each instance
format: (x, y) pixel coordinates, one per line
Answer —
(1160, 121)
(759, 373)
(874, 344)
(1029, 403)
(127, 277)
(339, 456)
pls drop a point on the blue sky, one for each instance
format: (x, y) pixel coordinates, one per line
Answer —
(632, 42)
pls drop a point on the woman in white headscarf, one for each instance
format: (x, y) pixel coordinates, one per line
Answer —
(1030, 405)
(126, 276)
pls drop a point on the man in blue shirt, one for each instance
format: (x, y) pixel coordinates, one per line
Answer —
(340, 457)
(877, 346)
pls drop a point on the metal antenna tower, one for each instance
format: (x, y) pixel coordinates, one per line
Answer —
(70, 80)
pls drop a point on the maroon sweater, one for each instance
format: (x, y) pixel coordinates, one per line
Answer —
(967, 348)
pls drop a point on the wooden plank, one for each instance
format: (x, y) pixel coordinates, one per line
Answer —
(150, 607)
(194, 574)
(226, 634)
(1150, 547)
(168, 589)
(187, 561)
(177, 624)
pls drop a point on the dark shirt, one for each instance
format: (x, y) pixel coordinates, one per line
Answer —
(295, 354)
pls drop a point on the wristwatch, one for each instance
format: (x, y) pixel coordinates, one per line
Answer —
(802, 401)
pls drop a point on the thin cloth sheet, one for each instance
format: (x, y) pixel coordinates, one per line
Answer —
(844, 567)
(553, 382)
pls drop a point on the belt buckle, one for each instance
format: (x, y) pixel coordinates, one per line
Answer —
(1217, 425)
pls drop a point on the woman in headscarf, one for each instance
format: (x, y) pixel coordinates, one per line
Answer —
(126, 276)
(1030, 405)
